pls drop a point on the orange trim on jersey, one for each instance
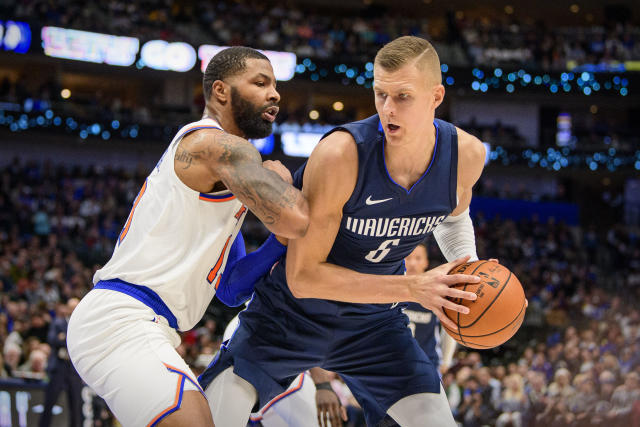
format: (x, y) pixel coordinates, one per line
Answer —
(216, 199)
(125, 230)
(214, 271)
(196, 127)
(240, 212)
(277, 398)
(178, 371)
(175, 405)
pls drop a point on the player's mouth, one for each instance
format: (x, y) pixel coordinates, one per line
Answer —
(270, 113)
(392, 129)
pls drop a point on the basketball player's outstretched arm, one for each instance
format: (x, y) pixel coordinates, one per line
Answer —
(209, 156)
(329, 180)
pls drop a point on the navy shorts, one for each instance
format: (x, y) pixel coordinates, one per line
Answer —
(280, 336)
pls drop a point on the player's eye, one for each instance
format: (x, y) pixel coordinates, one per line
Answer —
(403, 96)
(260, 83)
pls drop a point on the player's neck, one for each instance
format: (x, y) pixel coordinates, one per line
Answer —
(227, 122)
(408, 159)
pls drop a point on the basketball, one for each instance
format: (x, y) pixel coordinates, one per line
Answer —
(497, 313)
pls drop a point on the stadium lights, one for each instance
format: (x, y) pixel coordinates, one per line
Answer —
(161, 55)
(299, 140)
(65, 93)
(90, 47)
(15, 36)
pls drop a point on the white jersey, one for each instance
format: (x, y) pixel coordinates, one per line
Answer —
(176, 240)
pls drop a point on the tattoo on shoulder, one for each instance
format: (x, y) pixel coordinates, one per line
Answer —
(192, 152)
(184, 157)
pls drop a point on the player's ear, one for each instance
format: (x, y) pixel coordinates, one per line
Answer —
(438, 95)
(221, 91)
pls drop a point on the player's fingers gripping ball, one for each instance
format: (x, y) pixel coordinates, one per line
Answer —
(497, 313)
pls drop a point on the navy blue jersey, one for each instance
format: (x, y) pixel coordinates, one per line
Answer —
(368, 345)
(425, 327)
(382, 222)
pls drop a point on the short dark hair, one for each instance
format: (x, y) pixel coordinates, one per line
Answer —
(226, 63)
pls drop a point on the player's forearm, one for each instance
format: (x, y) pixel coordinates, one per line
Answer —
(281, 207)
(319, 375)
(239, 278)
(329, 281)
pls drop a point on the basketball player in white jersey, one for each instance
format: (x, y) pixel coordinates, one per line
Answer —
(175, 243)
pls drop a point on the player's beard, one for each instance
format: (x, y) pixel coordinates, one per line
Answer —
(248, 117)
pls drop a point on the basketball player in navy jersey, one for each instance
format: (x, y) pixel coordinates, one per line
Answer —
(376, 188)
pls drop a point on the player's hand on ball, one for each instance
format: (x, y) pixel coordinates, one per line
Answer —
(432, 288)
(280, 169)
(329, 409)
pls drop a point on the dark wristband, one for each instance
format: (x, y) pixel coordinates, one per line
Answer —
(324, 386)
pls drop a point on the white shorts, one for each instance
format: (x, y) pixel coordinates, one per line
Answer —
(295, 407)
(126, 354)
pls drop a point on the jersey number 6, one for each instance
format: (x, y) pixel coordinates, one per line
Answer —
(382, 251)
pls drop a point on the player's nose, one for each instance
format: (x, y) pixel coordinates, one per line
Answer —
(388, 108)
(273, 96)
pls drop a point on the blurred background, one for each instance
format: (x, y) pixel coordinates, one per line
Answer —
(92, 93)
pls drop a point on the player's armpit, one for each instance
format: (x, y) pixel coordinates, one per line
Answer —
(208, 156)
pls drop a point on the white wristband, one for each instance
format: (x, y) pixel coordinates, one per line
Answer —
(455, 237)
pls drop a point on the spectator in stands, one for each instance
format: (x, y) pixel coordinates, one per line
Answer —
(514, 402)
(35, 366)
(489, 387)
(607, 381)
(536, 391)
(12, 354)
(623, 399)
(583, 402)
(62, 374)
(561, 386)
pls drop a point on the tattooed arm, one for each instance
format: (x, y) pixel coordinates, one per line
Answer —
(206, 159)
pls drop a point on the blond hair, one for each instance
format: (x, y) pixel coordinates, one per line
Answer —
(406, 49)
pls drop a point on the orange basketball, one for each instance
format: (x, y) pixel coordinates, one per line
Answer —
(497, 313)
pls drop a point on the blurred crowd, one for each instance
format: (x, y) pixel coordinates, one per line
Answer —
(491, 42)
(335, 34)
(575, 360)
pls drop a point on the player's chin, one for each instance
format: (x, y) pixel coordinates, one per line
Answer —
(395, 137)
